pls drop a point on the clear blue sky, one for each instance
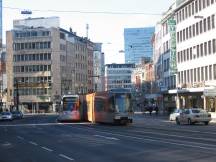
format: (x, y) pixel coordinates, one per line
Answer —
(105, 28)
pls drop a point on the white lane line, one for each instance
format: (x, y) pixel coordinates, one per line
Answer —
(21, 138)
(66, 157)
(45, 148)
(33, 143)
(161, 140)
(173, 135)
(110, 138)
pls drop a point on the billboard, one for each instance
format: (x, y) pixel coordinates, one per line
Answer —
(172, 30)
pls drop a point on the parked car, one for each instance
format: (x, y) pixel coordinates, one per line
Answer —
(6, 116)
(17, 114)
(193, 115)
(174, 114)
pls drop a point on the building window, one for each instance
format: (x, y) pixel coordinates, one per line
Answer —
(194, 30)
(209, 23)
(198, 51)
(188, 76)
(202, 73)
(191, 53)
(195, 75)
(196, 6)
(197, 28)
(200, 5)
(191, 71)
(198, 74)
(189, 10)
(209, 47)
(190, 32)
(205, 48)
(214, 45)
(204, 25)
(214, 71)
(213, 21)
(192, 8)
(201, 27)
(206, 72)
(186, 33)
(201, 49)
(210, 72)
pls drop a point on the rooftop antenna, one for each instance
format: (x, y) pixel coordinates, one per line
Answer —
(87, 28)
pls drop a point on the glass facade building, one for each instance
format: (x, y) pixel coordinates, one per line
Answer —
(137, 44)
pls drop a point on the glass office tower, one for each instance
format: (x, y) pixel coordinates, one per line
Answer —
(137, 44)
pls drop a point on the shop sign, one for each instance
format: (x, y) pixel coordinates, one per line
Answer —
(210, 92)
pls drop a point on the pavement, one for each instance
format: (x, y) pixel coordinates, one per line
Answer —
(164, 116)
(150, 138)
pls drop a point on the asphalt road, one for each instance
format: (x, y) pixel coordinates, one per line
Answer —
(148, 139)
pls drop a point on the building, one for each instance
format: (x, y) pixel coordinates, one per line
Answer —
(0, 24)
(118, 76)
(137, 44)
(44, 62)
(164, 57)
(98, 72)
(196, 54)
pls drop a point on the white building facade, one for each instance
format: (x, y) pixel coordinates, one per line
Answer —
(118, 76)
(98, 72)
(196, 54)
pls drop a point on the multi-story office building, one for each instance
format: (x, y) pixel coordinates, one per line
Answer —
(196, 53)
(44, 62)
(118, 76)
(165, 65)
(137, 44)
(0, 24)
(98, 72)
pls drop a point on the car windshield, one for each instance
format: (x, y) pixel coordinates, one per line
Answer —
(5, 113)
(198, 111)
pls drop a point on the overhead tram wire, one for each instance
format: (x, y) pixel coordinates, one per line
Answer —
(87, 12)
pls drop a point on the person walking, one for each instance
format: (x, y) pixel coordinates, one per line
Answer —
(156, 110)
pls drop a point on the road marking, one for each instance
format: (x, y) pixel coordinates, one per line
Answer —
(161, 140)
(173, 135)
(33, 143)
(44, 124)
(110, 138)
(45, 148)
(66, 157)
(21, 138)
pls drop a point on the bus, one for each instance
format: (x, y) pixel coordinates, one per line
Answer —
(113, 106)
(69, 108)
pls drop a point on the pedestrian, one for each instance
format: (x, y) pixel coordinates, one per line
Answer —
(150, 110)
(156, 109)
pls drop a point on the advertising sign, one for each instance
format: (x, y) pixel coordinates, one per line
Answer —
(172, 30)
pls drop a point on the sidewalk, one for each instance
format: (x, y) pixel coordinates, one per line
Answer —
(164, 116)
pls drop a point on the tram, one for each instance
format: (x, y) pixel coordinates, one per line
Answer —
(113, 106)
(70, 108)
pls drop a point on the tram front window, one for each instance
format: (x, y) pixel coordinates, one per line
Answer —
(122, 103)
(69, 104)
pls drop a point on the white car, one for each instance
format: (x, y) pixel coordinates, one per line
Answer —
(6, 116)
(174, 114)
(193, 115)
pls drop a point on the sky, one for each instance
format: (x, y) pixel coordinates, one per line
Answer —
(106, 18)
